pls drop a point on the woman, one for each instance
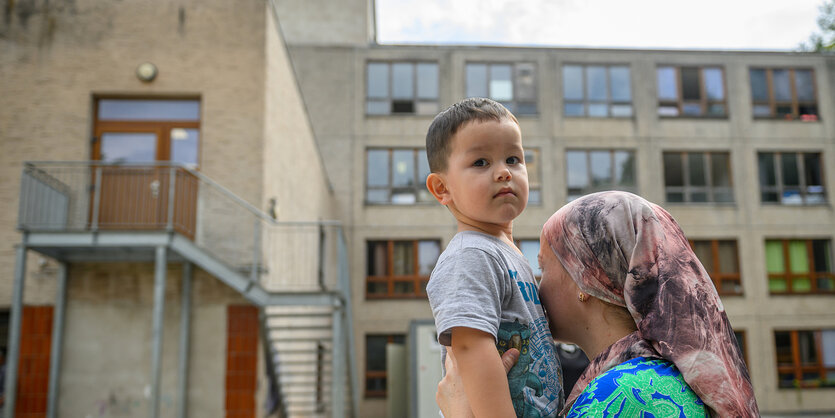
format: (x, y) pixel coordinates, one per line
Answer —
(619, 279)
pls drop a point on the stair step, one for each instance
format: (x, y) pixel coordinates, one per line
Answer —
(299, 351)
(312, 339)
(327, 314)
(325, 371)
(299, 327)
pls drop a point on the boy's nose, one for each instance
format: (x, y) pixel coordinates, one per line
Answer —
(503, 173)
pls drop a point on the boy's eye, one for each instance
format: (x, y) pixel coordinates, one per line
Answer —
(514, 160)
(481, 162)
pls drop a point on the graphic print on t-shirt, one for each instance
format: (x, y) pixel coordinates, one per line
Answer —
(516, 335)
(521, 376)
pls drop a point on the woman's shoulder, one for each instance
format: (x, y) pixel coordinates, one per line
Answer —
(639, 387)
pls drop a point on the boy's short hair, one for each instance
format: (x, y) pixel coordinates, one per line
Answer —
(447, 123)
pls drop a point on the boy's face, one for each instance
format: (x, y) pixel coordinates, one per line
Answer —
(486, 180)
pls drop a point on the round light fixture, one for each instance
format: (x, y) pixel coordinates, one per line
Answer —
(146, 72)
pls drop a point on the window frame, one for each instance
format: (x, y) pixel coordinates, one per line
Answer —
(795, 103)
(415, 100)
(611, 186)
(742, 343)
(790, 276)
(780, 187)
(609, 101)
(514, 102)
(378, 374)
(534, 186)
(390, 279)
(797, 368)
(716, 276)
(704, 103)
(687, 190)
(419, 187)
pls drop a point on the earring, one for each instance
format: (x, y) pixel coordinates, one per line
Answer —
(582, 297)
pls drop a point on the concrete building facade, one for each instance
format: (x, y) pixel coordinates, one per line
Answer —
(668, 116)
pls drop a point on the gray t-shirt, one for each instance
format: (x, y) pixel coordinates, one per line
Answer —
(482, 283)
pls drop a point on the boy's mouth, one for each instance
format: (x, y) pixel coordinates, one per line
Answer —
(505, 191)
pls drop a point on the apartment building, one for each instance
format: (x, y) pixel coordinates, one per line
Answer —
(737, 145)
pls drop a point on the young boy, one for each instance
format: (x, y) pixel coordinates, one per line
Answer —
(482, 290)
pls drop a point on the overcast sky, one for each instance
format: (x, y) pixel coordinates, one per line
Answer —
(705, 24)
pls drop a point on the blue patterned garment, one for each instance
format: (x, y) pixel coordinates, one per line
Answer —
(641, 387)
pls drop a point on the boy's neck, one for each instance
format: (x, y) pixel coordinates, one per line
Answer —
(502, 232)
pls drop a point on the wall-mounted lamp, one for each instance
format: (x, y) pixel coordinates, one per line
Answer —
(146, 72)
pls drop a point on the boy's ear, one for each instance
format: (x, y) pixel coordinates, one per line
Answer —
(436, 184)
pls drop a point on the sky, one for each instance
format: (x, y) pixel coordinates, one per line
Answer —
(665, 24)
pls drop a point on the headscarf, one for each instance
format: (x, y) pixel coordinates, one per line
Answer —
(622, 249)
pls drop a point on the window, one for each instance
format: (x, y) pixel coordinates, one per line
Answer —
(805, 359)
(592, 171)
(791, 178)
(513, 85)
(786, 94)
(596, 91)
(721, 260)
(401, 88)
(534, 176)
(530, 249)
(375, 363)
(691, 92)
(799, 266)
(396, 176)
(400, 269)
(691, 177)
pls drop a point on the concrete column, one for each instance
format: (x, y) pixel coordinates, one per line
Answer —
(156, 330)
(14, 330)
(57, 341)
(185, 331)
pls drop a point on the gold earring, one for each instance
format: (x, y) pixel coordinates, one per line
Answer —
(582, 297)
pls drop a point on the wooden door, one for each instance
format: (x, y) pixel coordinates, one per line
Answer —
(132, 195)
(135, 196)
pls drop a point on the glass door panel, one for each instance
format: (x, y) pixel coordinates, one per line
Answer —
(128, 147)
(184, 146)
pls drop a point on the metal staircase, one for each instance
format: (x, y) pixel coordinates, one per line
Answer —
(302, 340)
(295, 272)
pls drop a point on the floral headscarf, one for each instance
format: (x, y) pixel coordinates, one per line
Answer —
(622, 249)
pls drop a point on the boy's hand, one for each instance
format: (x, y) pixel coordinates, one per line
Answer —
(450, 395)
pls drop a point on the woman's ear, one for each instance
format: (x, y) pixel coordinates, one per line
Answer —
(436, 184)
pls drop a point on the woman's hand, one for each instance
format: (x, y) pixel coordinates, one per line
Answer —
(450, 396)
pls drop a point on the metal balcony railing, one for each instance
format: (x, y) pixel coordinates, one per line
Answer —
(96, 196)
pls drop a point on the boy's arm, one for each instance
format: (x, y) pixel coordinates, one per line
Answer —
(484, 376)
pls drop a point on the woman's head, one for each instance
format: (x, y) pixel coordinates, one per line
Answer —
(570, 310)
(626, 251)
(605, 239)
